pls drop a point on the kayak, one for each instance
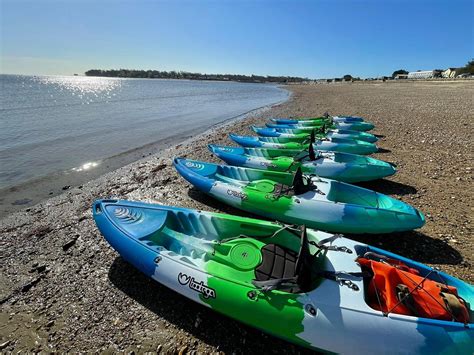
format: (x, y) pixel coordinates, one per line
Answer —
(321, 129)
(351, 125)
(332, 144)
(304, 286)
(303, 133)
(319, 203)
(322, 118)
(347, 118)
(333, 165)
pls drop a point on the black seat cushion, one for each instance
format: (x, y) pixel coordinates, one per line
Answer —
(277, 263)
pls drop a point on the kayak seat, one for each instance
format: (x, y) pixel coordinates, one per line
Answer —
(277, 262)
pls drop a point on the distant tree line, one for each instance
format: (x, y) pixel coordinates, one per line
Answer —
(400, 71)
(157, 74)
(467, 69)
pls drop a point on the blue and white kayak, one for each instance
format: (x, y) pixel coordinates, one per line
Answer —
(304, 132)
(301, 199)
(333, 144)
(332, 165)
(312, 119)
(342, 124)
(230, 264)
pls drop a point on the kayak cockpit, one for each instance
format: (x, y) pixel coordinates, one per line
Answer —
(345, 193)
(226, 248)
(277, 260)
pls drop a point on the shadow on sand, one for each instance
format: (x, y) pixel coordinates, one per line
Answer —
(413, 245)
(212, 328)
(388, 187)
(383, 150)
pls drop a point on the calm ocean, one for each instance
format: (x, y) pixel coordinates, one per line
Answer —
(50, 124)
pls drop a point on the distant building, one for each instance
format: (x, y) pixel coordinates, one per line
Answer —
(423, 74)
(449, 73)
(401, 76)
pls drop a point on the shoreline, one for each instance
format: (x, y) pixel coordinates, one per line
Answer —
(31, 192)
(63, 288)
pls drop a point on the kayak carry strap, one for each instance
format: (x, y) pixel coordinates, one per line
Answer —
(344, 278)
(321, 244)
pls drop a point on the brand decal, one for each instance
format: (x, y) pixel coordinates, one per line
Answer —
(267, 164)
(194, 165)
(237, 194)
(200, 287)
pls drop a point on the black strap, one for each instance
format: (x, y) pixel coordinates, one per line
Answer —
(276, 284)
(321, 244)
(341, 277)
(344, 278)
(406, 298)
(374, 256)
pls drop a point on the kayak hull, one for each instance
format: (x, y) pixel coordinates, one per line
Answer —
(303, 133)
(330, 144)
(342, 123)
(333, 206)
(174, 246)
(348, 119)
(332, 165)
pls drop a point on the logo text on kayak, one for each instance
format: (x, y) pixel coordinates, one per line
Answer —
(237, 194)
(200, 287)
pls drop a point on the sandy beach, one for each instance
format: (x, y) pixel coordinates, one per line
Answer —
(63, 288)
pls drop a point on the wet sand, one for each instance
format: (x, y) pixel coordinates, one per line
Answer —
(62, 288)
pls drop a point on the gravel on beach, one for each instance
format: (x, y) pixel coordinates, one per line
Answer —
(63, 288)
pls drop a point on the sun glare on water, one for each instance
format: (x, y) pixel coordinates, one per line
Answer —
(87, 166)
(86, 88)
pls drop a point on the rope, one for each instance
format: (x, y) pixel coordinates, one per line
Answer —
(429, 294)
(409, 293)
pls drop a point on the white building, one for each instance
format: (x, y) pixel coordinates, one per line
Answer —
(449, 73)
(401, 76)
(424, 74)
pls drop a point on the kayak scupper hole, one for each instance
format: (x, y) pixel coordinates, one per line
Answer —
(310, 310)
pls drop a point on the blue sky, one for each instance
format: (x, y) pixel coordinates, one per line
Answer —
(304, 38)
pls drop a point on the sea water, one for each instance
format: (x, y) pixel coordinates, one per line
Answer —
(50, 124)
